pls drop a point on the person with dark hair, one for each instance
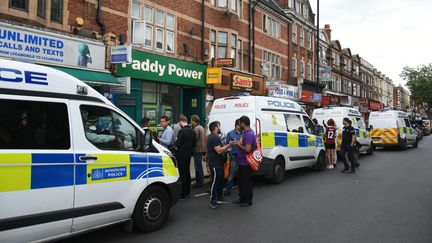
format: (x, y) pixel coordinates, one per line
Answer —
(199, 150)
(330, 142)
(185, 145)
(145, 123)
(246, 145)
(318, 129)
(233, 135)
(167, 136)
(215, 149)
(176, 127)
(348, 149)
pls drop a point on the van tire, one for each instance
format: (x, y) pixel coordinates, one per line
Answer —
(151, 210)
(404, 145)
(371, 149)
(321, 162)
(278, 175)
(415, 145)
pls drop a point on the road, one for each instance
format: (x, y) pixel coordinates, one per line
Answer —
(389, 199)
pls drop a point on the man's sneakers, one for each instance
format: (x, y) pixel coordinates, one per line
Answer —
(221, 201)
(214, 205)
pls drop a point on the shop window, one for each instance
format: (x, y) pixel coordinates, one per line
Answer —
(57, 11)
(34, 125)
(19, 4)
(108, 130)
(293, 123)
(41, 8)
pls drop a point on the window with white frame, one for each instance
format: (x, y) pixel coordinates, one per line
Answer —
(222, 43)
(234, 5)
(233, 46)
(212, 44)
(273, 62)
(271, 26)
(294, 67)
(290, 3)
(309, 40)
(301, 36)
(305, 12)
(240, 8)
(302, 69)
(222, 3)
(309, 75)
(298, 7)
(153, 28)
(294, 33)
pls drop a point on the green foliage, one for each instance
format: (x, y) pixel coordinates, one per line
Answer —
(419, 81)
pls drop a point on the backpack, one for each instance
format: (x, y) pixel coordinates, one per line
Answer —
(254, 158)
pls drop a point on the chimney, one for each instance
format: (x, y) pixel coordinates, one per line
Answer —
(327, 30)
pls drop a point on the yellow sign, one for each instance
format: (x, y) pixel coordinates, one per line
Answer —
(214, 75)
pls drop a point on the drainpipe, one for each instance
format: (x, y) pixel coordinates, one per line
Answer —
(253, 38)
(202, 29)
(99, 19)
(250, 35)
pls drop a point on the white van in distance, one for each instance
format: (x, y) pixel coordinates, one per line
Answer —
(71, 161)
(286, 132)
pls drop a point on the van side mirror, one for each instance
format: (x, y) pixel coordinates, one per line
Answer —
(370, 128)
(147, 140)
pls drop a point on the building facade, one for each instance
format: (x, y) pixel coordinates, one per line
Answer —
(402, 100)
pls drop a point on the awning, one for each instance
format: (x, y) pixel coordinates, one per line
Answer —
(336, 94)
(89, 76)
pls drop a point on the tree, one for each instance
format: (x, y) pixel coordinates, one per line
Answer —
(419, 81)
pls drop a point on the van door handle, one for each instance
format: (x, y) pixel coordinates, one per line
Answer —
(88, 157)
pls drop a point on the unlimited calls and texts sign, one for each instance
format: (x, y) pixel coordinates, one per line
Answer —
(19, 42)
(148, 66)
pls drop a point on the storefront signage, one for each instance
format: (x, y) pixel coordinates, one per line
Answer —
(147, 66)
(214, 75)
(272, 85)
(310, 97)
(346, 100)
(225, 62)
(38, 46)
(285, 91)
(121, 54)
(241, 82)
(325, 75)
(124, 89)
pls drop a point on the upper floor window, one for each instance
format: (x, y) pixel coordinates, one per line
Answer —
(155, 30)
(309, 40)
(302, 69)
(19, 4)
(294, 33)
(41, 8)
(272, 63)
(271, 26)
(298, 7)
(309, 74)
(301, 36)
(57, 11)
(222, 3)
(222, 42)
(305, 12)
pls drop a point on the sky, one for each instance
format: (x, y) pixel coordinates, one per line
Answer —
(390, 34)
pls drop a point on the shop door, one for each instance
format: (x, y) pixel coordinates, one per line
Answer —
(193, 103)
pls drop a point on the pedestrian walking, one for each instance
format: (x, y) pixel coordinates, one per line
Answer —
(166, 139)
(246, 145)
(330, 142)
(199, 150)
(348, 149)
(215, 150)
(185, 145)
(233, 135)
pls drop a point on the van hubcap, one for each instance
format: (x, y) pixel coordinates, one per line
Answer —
(153, 208)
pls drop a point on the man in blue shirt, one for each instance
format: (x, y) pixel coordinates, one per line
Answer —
(167, 136)
(234, 135)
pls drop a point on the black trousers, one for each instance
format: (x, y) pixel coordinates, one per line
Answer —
(348, 151)
(245, 183)
(217, 184)
(183, 160)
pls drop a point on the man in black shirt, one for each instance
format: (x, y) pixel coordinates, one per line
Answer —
(185, 144)
(348, 149)
(215, 149)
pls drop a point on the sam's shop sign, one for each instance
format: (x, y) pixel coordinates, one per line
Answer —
(152, 67)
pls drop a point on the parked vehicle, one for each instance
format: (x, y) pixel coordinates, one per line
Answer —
(392, 128)
(286, 132)
(70, 161)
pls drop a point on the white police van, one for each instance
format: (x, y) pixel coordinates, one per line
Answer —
(70, 161)
(286, 132)
(364, 141)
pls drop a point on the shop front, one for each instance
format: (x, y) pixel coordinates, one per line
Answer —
(79, 57)
(161, 86)
(282, 90)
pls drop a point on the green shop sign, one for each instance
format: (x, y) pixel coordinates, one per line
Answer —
(163, 69)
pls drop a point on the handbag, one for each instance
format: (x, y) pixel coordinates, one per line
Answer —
(254, 158)
(227, 167)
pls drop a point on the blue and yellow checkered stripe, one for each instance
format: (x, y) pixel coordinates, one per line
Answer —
(36, 171)
(289, 140)
(361, 133)
(406, 130)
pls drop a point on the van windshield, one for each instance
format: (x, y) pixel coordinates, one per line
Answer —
(383, 123)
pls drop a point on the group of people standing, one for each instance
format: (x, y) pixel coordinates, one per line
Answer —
(187, 141)
(348, 148)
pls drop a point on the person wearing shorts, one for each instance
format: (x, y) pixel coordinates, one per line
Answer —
(330, 142)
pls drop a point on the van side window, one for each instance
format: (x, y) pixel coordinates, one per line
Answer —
(407, 122)
(310, 128)
(360, 123)
(401, 122)
(108, 130)
(293, 123)
(33, 125)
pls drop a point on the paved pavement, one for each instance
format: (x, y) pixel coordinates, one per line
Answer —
(389, 199)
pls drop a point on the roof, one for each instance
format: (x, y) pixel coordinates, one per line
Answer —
(37, 78)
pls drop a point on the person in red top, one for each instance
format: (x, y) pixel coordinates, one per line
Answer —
(330, 142)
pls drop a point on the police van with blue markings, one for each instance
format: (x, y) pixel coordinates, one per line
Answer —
(286, 132)
(70, 161)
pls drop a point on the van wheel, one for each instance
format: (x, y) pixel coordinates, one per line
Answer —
(151, 210)
(404, 145)
(371, 149)
(415, 145)
(321, 162)
(278, 170)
